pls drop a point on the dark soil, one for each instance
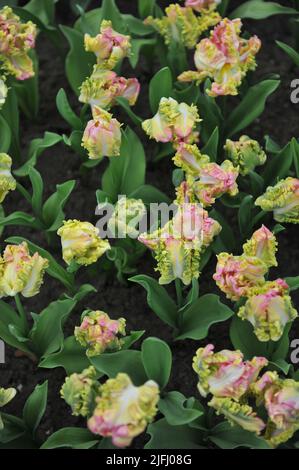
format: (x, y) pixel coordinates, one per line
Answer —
(279, 120)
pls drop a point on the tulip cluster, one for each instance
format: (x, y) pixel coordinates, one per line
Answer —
(16, 41)
(181, 25)
(225, 57)
(98, 333)
(268, 306)
(102, 136)
(116, 408)
(235, 383)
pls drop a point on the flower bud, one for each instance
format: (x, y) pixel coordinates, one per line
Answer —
(109, 46)
(98, 333)
(16, 40)
(245, 153)
(237, 275)
(128, 213)
(269, 309)
(225, 374)
(283, 200)
(103, 87)
(102, 135)
(174, 122)
(7, 181)
(80, 390)
(263, 245)
(20, 272)
(6, 395)
(124, 410)
(81, 243)
(225, 57)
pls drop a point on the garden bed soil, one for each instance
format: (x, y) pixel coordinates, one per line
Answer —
(279, 120)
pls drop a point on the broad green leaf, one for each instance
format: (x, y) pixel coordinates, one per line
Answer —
(137, 46)
(165, 436)
(10, 112)
(210, 114)
(89, 22)
(66, 111)
(136, 26)
(125, 173)
(19, 218)
(251, 106)
(35, 407)
(127, 361)
(279, 165)
(112, 13)
(14, 428)
(37, 190)
(174, 407)
(44, 10)
(79, 63)
(294, 55)
(54, 269)
(211, 147)
(226, 436)
(157, 360)
(5, 135)
(150, 194)
(72, 357)
(258, 10)
(160, 87)
(73, 438)
(293, 282)
(158, 299)
(202, 314)
(146, 7)
(47, 333)
(129, 340)
(53, 213)
(8, 318)
(245, 214)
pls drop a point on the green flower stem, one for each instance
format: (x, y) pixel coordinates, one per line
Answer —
(21, 312)
(179, 292)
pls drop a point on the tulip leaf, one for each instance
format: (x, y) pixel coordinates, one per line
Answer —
(251, 106)
(9, 318)
(19, 218)
(292, 282)
(5, 135)
(146, 7)
(89, 22)
(54, 269)
(126, 361)
(258, 10)
(66, 111)
(210, 114)
(126, 172)
(226, 436)
(109, 11)
(73, 438)
(137, 46)
(176, 409)
(245, 215)
(149, 194)
(37, 190)
(160, 87)
(157, 360)
(278, 167)
(158, 299)
(53, 213)
(201, 315)
(72, 357)
(211, 146)
(35, 407)
(47, 332)
(165, 436)
(79, 63)
(124, 103)
(294, 55)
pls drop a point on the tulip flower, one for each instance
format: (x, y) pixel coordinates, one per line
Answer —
(16, 40)
(237, 275)
(109, 46)
(80, 390)
(225, 374)
(215, 180)
(128, 212)
(269, 309)
(238, 413)
(20, 272)
(124, 410)
(281, 400)
(225, 57)
(181, 25)
(202, 5)
(102, 135)
(81, 243)
(6, 395)
(3, 92)
(7, 181)
(103, 87)
(283, 200)
(98, 333)
(245, 153)
(190, 159)
(174, 122)
(263, 245)
(178, 245)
